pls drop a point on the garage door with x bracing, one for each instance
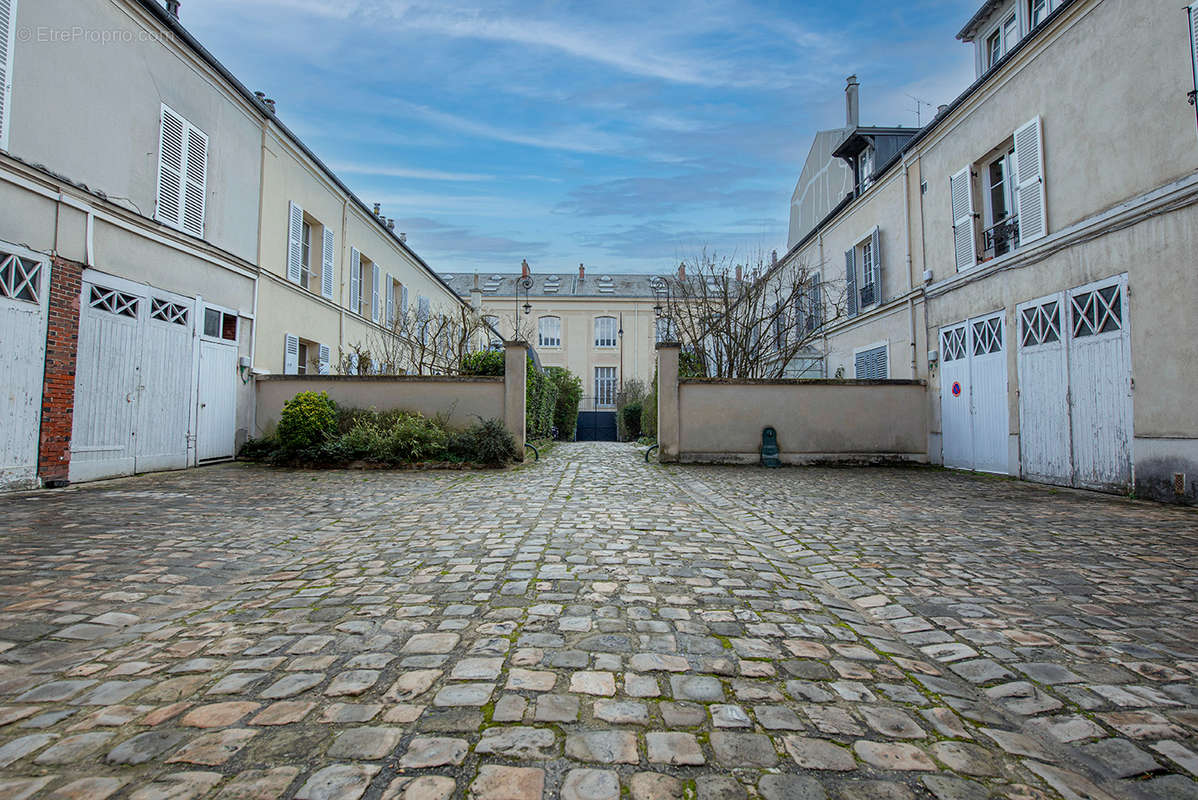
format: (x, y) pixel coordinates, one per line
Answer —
(973, 394)
(1075, 389)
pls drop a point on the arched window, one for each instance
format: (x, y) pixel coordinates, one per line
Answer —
(605, 331)
(549, 332)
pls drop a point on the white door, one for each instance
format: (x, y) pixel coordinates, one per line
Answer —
(164, 385)
(1044, 438)
(106, 380)
(24, 300)
(217, 413)
(955, 416)
(988, 393)
(133, 380)
(1100, 384)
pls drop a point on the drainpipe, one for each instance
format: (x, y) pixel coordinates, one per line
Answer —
(910, 276)
(258, 274)
(344, 274)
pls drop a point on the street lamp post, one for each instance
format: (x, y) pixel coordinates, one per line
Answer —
(523, 282)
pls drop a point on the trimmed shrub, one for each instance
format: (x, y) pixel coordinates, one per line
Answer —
(540, 397)
(649, 411)
(487, 442)
(487, 362)
(306, 422)
(631, 414)
(569, 395)
(628, 427)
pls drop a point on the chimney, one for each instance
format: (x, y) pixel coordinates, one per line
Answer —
(682, 271)
(390, 224)
(773, 258)
(172, 7)
(524, 270)
(852, 108)
(582, 272)
(403, 237)
(941, 109)
(476, 295)
(377, 209)
(740, 272)
(266, 101)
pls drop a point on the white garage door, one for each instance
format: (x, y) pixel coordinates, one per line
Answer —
(24, 300)
(216, 418)
(973, 394)
(133, 379)
(1075, 404)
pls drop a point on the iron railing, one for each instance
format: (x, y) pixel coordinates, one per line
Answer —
(1001, 238)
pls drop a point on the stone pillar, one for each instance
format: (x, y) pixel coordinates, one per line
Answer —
(667, 401)
(515, 377)
(58, 389)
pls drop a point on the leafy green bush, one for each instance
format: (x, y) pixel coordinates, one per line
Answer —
(628, 426)
(487, 442)
(306, 422)
(569, 395)
(259, 449)
(649, 410)
(631, 417)
(487, 362)
(540, 397)
(415, 438)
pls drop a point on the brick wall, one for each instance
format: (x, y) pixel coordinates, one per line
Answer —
(58, 392)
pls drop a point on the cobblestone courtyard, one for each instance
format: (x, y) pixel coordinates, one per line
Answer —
(594, 627)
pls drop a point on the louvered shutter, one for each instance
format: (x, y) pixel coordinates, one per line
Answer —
(171, 161)
(355, 281)
(290, 354)
(295, 245)
(390, 318)
(964, 237)
(196, 185)
(8, 20)
(374, 293)
(322, 366)
(875, 250)
(326, 264)
(850, 280)
(403, 300)
(1029, 187)
(817, 305)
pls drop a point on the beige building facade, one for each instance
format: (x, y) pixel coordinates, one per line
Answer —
(1028, 252)
(600, 326)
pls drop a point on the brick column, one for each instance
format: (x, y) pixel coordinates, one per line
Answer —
(515, 378)
(668, 428)
(58, 389)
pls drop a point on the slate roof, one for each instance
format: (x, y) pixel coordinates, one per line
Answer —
(556, 284)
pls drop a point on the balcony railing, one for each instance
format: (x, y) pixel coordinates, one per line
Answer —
(1002, 238)
(867, 294)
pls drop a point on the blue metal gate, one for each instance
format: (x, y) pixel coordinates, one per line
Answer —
(596, 426)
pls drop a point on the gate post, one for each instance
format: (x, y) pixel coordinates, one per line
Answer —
(515, 376)
(667, 401)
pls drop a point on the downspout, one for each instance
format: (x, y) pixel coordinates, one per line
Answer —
(258, 273)
(344, 271)
(910, 265)
(823, 331)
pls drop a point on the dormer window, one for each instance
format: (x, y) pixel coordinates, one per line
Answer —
(1002, 40)
(1037, 10)
(865, 167)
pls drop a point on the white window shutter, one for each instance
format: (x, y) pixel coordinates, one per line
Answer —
(195, 190)
(355, 281)
(326, 264)
(374, 293)
(290, 354)
(403, 300)
(171, 161)
(964, 236)
(850, 280)
(295, 248)
(875, 249)
(390, 318)
(1029, 186)
(8, 27)
(322, 366)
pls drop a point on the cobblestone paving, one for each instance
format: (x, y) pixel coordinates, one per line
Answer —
(592, 627)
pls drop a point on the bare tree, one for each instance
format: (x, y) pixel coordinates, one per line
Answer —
(748, 320)
(418, 342)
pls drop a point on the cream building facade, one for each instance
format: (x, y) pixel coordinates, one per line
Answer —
(600, 326)
(1028, 253)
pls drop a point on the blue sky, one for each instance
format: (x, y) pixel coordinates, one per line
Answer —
(625, 135)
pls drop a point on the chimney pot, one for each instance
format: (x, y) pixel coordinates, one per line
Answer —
(172, 7)
(270, 104)
(524, 269)
(403, 237)
(582, 272)
(377, 209)
(852, 109)
(390, 224)
(773, 257)
(682, 271)
(941, 109)
(739, 273)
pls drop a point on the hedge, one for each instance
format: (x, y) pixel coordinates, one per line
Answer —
(540, 395)
(569, 395)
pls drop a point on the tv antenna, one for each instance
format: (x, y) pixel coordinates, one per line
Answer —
(919, 104)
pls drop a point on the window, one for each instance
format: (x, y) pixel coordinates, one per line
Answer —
(220, 324)
(20, 278)
(865, 168)
(166, 311)
(1037, 10)
(364, 285)
(999, 43)
(863, 273)
(8, 28)
(306, 254)
(993, 49)
(182, 174)
(872, 364)
(605, 387)
(605, 331)
(114, 302)
(303, 231)
(549, 332)
(1001, 232)
(397, 302)
(304, 357)
(493, 334)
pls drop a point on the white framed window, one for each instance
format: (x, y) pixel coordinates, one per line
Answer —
(20, 278)
(8, 29)
(865, 165)
(605, 387)
(993, 49)
(872, 363)
(605, 331)
(182, 174)
(305, 253)
(1000, 223)
(1037, 10)
(219, 323)
(549, 331)
(863, 273)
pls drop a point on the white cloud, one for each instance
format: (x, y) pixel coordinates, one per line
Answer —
(384, 170)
